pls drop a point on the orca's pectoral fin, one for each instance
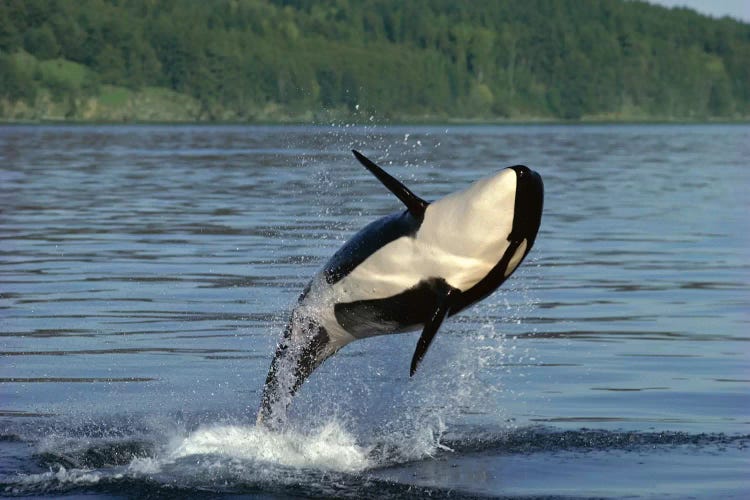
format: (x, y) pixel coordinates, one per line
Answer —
(414, 203)
(431, 328)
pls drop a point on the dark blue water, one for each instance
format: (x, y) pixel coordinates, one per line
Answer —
(146, 274)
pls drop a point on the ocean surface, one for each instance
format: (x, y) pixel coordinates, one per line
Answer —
(146, 273)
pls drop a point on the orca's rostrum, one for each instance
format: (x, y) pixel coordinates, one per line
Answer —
(407, 271)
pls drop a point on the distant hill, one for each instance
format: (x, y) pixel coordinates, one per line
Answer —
(318, 60)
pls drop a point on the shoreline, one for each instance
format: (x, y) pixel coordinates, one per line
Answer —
(381, 123)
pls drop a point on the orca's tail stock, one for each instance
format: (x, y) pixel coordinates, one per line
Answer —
(301, 350)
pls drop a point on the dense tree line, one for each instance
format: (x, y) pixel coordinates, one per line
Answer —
(437, 58)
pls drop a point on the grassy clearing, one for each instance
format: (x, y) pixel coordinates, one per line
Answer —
(62, 70)
(113, 96)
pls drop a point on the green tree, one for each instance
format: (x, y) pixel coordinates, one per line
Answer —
(41, 42)
(563, 59)
(15, 84)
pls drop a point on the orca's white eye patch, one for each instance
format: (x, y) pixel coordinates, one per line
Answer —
(516, 259)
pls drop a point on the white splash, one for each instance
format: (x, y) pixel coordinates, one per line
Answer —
(61, 475)
(328, 448)
(144, 466)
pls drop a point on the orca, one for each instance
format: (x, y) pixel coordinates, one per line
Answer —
(407, 271)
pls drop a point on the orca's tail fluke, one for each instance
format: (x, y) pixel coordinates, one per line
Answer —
(304, 346)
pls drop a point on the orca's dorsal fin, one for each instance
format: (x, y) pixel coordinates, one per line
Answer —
(414, 203)
(431, 327)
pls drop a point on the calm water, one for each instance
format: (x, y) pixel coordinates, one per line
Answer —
(146, 273)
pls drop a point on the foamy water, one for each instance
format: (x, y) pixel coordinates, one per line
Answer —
(211, 453)
(328, 448)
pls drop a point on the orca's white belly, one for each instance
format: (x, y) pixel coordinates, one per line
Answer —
(437, 250)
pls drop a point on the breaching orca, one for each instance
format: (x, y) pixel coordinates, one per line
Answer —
(407, 271)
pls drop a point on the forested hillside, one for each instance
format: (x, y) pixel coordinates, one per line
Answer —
(315, 60)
